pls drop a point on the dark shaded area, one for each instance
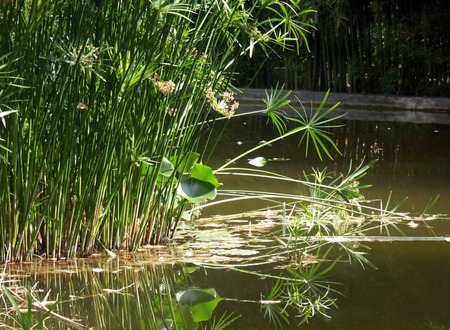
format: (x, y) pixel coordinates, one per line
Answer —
(370, 46)
(410, 290)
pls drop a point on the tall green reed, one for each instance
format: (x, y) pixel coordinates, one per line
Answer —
(118, 97)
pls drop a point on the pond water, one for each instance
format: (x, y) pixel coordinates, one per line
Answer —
(408, 290)
(413, 159)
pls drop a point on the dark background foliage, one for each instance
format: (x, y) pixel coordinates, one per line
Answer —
(365, 46)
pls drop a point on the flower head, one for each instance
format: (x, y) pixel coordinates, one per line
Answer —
(165, 87)
(221, 104)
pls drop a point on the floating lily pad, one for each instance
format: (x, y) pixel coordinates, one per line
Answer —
(167, 324)
(188, 162)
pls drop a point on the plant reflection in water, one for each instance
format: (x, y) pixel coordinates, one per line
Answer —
(287, 257)
(156, 297)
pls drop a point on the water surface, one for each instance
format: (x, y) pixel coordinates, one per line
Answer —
(408, 290)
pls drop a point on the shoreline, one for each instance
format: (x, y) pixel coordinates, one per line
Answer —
(408, 109)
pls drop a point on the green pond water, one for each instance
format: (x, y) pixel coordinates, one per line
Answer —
(226, 267)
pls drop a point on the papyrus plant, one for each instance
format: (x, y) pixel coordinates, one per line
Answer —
(118, 97)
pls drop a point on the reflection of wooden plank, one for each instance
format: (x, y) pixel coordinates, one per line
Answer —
(381, 239)
(40, 306)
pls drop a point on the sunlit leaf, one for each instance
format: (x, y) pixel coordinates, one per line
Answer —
(187, 163)
(275, 102)
(258, 161)
(204, 173)
(146, 168)
(314, 123)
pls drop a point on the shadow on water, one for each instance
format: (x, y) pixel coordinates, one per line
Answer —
(250, 272)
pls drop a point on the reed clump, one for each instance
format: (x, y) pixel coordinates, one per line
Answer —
(103, 105)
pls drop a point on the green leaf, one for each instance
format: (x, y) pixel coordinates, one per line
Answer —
(195, 190)
(166, 167)
(166, 324)
(204, 173)
(314, 125)
(204, 311)
(275, 102)
(146, 165)
(21, 319)
(202, 302)
(146, 168)
(184, 319)
(187, 163)
(195, 296)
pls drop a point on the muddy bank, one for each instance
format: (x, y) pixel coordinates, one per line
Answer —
(431, 110)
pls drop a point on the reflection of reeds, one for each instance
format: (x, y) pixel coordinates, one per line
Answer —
(115, 295)
(111, 299)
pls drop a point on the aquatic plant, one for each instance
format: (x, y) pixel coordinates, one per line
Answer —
(118, 295)
(310, 232)
(296, 243)
(24, 303)
(104, 150)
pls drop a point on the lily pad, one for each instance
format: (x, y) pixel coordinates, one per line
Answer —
(201, 301)
(187, 163)
(195, 190)
(204, 173)
(195, 296)
(167, 324)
